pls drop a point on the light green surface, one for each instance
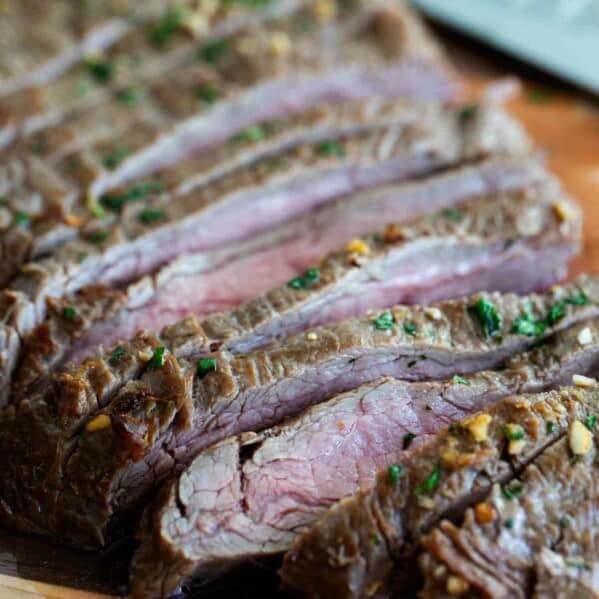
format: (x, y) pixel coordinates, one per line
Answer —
(559, 36)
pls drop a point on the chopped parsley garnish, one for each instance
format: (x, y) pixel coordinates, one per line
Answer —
(513, 491)
(112, 160)
(21, 219)
(250, 3)
(100, 69)
(452, 429)
(208, 94)
(407, 440)
(157, 359)
(509, 523)
(213, 51)
(550, 427)
(311, 276)
(376, 540)
(452, 214)
(116, 201)
(253, 133)
(590, 421)
(579, 565)
(129, 96)
(460, 380)
(581, 299)
(117, 355)
(164, 28)
(206, 365)
(69, 313)
(491, 321)
(98, 236)
(527, 324)
(467, 112)
(394, 471)
(331, 147)
(410, 328)
(432, 482)
(149, 215)
(513, 432)
(384, 322)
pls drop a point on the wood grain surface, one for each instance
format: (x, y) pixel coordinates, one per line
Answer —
(565, 125)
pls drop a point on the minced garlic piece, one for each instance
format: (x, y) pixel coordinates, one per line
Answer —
(434, 313)
(427, 503)
(358, 246)
(196, 23)
(580, 438)
(325, 10)
(98, 423)
(145, 354)
(516, 446)
(311, 336)
(485, 513)
(580, 380)
(564, 211)
(280, 44)
(456, 585)
(585, 337)
(478, 426)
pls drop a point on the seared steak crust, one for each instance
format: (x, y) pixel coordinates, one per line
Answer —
(365, 545)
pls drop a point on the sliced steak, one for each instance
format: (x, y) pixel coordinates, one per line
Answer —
(365, 545)
(434, 257)
(548, 517)
(102, 434)
(254, 199)
(249, 496)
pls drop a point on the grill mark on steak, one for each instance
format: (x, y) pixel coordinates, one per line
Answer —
(337, 556)
(495, 560)
(137, 247)
(295, 471)
(60, 469)
(385, 276)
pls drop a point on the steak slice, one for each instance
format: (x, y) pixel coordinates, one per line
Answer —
(249, 496)
(547, 518)
(97, 440)
(476, 244)
(255, 199)
(365, 545)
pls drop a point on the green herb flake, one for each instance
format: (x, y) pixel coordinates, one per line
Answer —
(129, 96)
(431, 483)
(384, 322)
(208, 94)
(331, 147)
(452, 214)
(115, 201)
(100, 69)
(491, 321)
(514, 491)
(213, 51)
(576, 564)
(253, 133)
(580, 299)
(564, 522)
(513, 432)
(410, 328)
(509, 523)
(206, 365)
(157, 359)
(98, 236)
(452, 429)
(311, 276)
(550, 427)
(556, 312)
(117, 355)
(590, 421)
(460, 380)
(394, 471)
(407, 440)
(112, 160)
(376, 540)
(467, 112)
(526, 324)
(165, 28)
(150, 215)
(21, 219)
(69, 313)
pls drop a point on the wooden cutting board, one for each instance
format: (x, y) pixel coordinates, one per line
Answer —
(564, 124)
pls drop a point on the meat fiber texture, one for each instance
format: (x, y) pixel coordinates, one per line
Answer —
(97, 439)
(366, 545)
(249, 496)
